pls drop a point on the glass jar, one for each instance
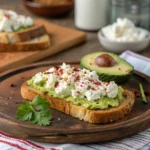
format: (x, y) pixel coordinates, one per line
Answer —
(91, 14)
(136, 10)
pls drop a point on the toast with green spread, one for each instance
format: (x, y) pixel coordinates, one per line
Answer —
(80, 93)
(19, 33)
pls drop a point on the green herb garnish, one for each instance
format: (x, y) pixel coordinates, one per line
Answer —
(142, 94)
(37, 111)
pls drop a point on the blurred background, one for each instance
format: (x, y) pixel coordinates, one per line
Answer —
(87, 15)
(136, 10)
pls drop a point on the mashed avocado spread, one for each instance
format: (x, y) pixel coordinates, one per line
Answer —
(43, 82)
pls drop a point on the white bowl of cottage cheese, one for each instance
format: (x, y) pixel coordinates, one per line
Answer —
(123, 35)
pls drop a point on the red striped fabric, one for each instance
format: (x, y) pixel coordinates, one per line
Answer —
(16, 143)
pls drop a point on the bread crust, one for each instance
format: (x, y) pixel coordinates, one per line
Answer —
(91, 116)
(39, 43)
(27, 34)
(23, 35)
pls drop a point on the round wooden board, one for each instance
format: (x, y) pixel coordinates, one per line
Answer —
(64, 128)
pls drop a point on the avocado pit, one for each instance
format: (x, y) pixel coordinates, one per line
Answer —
(105, 60)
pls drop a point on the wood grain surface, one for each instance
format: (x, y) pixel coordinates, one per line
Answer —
(61, 38)
(65, 128)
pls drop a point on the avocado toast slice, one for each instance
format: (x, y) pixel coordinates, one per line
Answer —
(94, 102)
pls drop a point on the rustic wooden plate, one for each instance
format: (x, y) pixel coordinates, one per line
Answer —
(64, 128)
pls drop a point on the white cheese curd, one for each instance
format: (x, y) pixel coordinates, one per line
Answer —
(75, 94)
(63, 88)
(92, 95)
(50, 83)
(93, 75)
(5, 25)
(123, 30)
(102, 91)
(51, 70)
(10, 21)
(39, 78)
(81, 84)
(111, 89)
(70, 80)
(66, 67)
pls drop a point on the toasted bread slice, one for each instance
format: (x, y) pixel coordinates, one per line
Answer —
(38, 43)
(91, 116)
(23, 35)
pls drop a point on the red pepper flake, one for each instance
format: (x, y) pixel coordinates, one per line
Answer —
(61, 72)
(7, 16)
(147, 93)
(89, 86)
(135, 92)
(17, 102)
(26, 16)
(97, 83)
(76, 69)
(77, 78)
(22, 77)
(56, 84)
(12, 85)
(56, 70)
(78, 92)
(137, 95)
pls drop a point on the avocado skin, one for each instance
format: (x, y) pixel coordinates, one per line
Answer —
(119, 79)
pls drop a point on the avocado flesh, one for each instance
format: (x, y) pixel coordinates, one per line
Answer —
(22, 28)
(100, 104)
(119, 73)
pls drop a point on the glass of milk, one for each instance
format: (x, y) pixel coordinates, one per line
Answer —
(91, 14)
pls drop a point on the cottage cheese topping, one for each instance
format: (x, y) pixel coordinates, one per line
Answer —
(75, 82)
(10, 21)
(124, 30)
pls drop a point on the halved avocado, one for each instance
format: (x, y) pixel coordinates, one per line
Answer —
(120, 72)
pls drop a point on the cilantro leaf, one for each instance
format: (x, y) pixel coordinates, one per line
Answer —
(42, 118)
(24, 111)
(37, 111)
(40, 103)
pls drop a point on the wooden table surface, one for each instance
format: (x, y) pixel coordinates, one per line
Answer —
(74, 53)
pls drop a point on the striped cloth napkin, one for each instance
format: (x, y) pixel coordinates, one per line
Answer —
(139, 141)
(140, 63)
(8, 142)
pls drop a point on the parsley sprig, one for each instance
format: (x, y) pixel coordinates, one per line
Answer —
(37, 111)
